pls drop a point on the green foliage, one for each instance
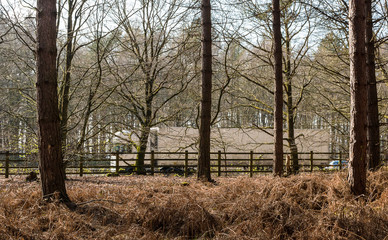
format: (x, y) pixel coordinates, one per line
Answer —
(185, 184)
(112, 174)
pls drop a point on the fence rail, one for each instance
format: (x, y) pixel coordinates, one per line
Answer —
(183, 163)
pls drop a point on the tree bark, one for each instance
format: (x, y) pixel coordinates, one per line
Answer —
(278, 113)
(50, 151)
(65, 88)
(358, 95)
(204, 129)
(290, 107)
(141, 150)
(373, 150)
(64, 98)
(146, 126)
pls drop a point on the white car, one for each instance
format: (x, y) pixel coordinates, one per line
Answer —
(335, 165)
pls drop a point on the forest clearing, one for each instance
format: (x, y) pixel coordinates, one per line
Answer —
(307, 206)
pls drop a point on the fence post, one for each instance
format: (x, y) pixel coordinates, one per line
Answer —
(219, 164)
(186, 163)
(251, 164)
(152, 162)
(117, 162)
(340, 161)
(7, 164)
(311, 161)
(81, 166)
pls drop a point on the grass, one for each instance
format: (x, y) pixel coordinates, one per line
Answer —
(308, 206)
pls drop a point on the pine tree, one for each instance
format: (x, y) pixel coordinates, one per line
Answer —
(358, 95)
(50, 150)
(204, 129)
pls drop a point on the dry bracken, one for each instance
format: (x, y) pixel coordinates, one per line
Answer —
(308, 206)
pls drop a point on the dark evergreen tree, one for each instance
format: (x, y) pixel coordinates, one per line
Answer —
(278, 113)
(358, 94)
(204, 129)
(50, 150)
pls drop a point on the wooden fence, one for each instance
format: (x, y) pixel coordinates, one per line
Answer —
(183, 163)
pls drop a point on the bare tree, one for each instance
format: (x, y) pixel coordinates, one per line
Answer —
(358, 93)
(278, 112)
(96, 87)
(291, 65)
(148, 67)
(204, 128)
(50, 151)
(295, 16)
(18, 78)
(74, 23)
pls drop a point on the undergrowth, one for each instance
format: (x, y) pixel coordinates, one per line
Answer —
(310, 206)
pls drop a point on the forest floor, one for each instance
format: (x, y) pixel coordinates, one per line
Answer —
(307, 206)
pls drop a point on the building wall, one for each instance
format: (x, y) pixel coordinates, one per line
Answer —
(173, 141)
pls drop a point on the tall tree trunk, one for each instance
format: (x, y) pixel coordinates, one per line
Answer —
(358, 94)
(65, 87)
(50, 151)
(278, 113)
(204, 129)
(290, 108)
(373, 150)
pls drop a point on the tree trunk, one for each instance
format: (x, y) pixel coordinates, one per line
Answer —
(146, 126)
(373, 150)
(141, 150)
(50, 151)
(290, 109)
(204, 129)
(65, 88)
(82, 138)
(291, 135)
(278, 113)
(358, 94)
